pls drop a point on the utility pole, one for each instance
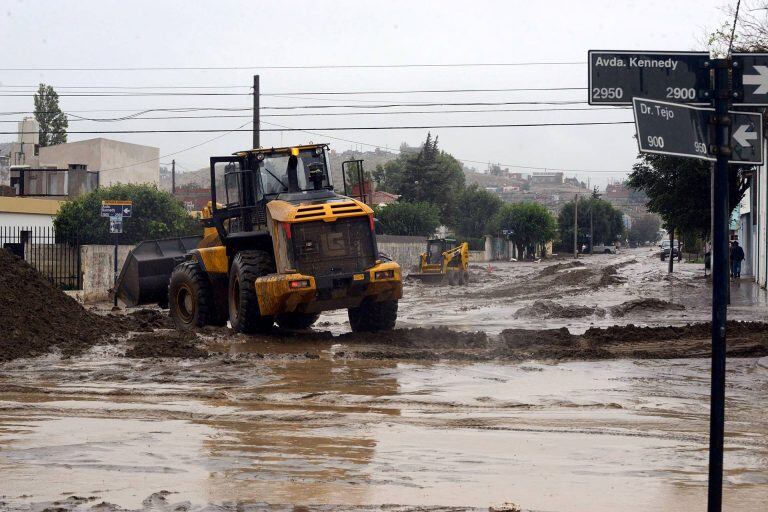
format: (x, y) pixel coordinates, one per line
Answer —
(576, 226)
(671, 248)
(256, 128)
(173, 176)
(720, 284)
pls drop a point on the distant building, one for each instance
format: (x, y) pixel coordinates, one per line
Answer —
(617, 191)
(27, 146)
(547, 178)
(194, 198)
(113, 160)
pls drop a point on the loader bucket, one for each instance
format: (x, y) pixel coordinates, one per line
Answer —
(428, 278)
(147, 269)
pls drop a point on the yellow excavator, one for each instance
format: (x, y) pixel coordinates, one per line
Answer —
(444, 262)
(279, 246)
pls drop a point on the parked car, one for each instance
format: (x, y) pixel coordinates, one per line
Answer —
(604, 249)
(664, 245)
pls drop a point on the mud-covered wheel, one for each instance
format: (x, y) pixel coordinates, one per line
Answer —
(453, 278)
(190, 297)
(373, 316)
(464, 277)
(296, 320)
(244, 315)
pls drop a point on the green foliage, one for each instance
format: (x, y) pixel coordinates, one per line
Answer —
(607, 222)
(53, 122)
(644, 229)
(156, 214)
(477, 208)
(430, 176)
(678, 189)
(404, 218)
(527, 223)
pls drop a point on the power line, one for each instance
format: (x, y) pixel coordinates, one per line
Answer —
(348, 128)
(324, 114)
(117, 93)
(459, 159)
(311, 66)
(238, 129)
(307, 107)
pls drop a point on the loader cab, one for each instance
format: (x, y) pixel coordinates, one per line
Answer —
(243, 184)
(436, 247)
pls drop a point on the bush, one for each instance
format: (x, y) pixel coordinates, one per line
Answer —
(403, 218)
(156, 214)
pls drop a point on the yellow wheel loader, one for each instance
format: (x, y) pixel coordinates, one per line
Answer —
(445, 262)
(279, 246)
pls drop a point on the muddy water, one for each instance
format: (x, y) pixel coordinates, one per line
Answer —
(287, 429)
(496, 293)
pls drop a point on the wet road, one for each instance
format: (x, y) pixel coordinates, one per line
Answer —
(295, 425)
(549, 437)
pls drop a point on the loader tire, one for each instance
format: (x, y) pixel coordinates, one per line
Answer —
(296, 320)
(244, 315)
(453, 278)
(464, 278)
(190, 297)
(373, 316)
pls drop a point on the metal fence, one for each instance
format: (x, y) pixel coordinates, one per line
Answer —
(56, 258)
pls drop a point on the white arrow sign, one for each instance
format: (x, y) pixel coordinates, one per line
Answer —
(742, 136)
(760, 80)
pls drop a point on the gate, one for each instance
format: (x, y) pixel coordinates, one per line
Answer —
(56, 258)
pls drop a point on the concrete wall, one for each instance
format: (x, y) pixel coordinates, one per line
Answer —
(97, 266)
(405, 250)
(130, 163)
(27, 211)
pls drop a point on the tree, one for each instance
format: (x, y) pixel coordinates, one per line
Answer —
(53, 122)
(607, 222)
(156, 214)
(526, 224)
(430, 176)
(678, 189)
(404, 218)
(477, 209)
(645, 228)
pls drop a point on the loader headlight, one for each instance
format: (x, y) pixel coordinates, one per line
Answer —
(298, 284)
(384, 274)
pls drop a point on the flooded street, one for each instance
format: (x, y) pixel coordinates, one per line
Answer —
(301, 421)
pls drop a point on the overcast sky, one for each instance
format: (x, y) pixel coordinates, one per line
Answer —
(249, 34)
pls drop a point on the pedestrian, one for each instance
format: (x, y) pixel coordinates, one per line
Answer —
(737, 256)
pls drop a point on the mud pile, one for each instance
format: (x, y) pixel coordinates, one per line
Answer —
(644, 306)
(37, 316)
(553, 269)
(418, 337)
(169, 344)
(551, 309)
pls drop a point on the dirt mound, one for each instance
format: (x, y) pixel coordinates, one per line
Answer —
(702, 331)
(180, 344)
(574, 277)
(434, 337)
(522, 338)
(551, 309)
(643, 306)
(553, 269)
(37, 316)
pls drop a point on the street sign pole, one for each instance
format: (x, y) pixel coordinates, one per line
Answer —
(720, 285)
(114, 280)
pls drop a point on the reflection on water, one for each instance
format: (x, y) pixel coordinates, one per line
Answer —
(551, 437)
